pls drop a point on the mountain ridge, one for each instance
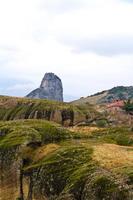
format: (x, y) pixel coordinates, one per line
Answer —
(108, 96)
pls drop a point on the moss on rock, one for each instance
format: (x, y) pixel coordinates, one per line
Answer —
(104, 185)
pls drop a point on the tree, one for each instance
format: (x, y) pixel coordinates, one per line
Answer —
(128, 106)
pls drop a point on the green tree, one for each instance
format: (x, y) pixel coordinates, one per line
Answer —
(128, 106)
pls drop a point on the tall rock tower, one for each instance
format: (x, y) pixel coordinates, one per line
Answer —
(51, 88)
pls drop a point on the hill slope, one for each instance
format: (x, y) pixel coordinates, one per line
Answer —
(12, 108)
(40, 160)
(116, 93)
(43, 160)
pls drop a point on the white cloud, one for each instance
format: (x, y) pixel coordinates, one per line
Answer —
(18, 89)
(45, 36)
(61, 6)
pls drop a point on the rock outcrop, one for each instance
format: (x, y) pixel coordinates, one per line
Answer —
(51, 88)
(12, 108)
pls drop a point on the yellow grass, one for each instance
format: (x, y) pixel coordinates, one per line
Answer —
(83, 130)
(10, 189)
(113, 156)
(110, 156)
(44, 151)
(91, 99)
(10, 192)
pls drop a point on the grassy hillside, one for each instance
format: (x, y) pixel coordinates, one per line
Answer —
(94, 99)
(12, 108)
(41, 160)
(31, 132)
(120, 92)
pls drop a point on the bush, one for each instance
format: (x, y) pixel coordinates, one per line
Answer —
(123, 140)
(101, 123)
(128, 106)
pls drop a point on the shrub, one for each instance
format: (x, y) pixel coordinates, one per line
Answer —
(124, 140)
(101, 123)
(128, 106)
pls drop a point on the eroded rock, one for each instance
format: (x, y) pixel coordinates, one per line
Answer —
(51, 88)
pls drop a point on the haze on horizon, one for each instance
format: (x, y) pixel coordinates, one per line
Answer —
(87, 43)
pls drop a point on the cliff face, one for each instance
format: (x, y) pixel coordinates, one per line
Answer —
(51, 88)
(20, 108)
(66, 114)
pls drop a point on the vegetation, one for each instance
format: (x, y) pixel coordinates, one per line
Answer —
(41, 159)
(128, 106)
(102, 123)
(14, 133)
(119, 135)
(22, 108)
(67, 114)
(115, 135)
(119, 92)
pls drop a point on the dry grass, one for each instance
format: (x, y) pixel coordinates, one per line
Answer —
(10, 192)
(7, 192)
(110, 156)
(83, 130)
(113, 156)
(91, 99)
(44, 151)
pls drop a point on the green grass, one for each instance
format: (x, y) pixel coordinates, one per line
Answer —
(70, 168)
(117, 135)
(20, 108)
(64, 170)
(12, 108)
(30, 131)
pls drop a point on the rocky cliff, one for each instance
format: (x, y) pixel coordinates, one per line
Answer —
(51, 88)
(12, 108)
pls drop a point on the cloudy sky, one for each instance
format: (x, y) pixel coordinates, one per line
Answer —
(87, 43)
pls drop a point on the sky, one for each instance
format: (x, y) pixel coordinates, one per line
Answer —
(87, 43)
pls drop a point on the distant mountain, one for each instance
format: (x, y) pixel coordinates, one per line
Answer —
(51, 88)
(108, 96)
